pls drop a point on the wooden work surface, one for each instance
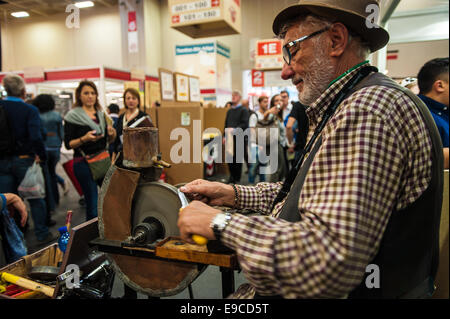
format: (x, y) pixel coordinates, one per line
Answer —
(175, 248)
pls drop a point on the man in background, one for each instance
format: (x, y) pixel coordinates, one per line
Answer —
(297, 129)
(27, 146)
(433, 86)
(285, 105)
(237, 117)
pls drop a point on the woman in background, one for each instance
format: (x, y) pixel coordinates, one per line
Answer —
(132, 102)
(86, 130)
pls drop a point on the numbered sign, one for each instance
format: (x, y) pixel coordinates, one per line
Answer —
(257, 78)
(269, 55)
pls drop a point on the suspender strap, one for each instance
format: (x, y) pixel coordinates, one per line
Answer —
(289, 211)
(361, 74)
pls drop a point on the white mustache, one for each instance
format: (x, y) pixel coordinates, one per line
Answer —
(295, 81)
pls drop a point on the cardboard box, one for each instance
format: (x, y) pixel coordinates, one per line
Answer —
(205, 18)
(152, 93)
(215, 118)
(185, 124)
(194, 125)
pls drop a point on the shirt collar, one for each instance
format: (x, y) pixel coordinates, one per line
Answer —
(317, 109)
(13, 98)
(433, 104)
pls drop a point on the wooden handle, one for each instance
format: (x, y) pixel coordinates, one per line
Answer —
(29, 284)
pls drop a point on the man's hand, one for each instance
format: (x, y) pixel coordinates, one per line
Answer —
(15, 202)
(211, 193)
(195, 219)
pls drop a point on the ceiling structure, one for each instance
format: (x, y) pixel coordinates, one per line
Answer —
(50, 7)
(417, 5)
(43, 8)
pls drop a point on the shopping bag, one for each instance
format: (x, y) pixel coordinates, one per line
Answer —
(68, 168)
(99, 164)
(13, 239)
(33, 184)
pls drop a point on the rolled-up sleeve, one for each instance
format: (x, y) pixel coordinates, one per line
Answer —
(258, 198)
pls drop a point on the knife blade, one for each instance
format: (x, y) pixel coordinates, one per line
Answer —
(199, 240)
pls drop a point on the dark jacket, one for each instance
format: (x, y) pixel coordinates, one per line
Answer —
(25, 123)
(73, 131)
(237, 117)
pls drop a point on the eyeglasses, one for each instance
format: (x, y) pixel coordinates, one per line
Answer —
(287, 56)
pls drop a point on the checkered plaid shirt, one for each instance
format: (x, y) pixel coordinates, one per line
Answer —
(375, 158)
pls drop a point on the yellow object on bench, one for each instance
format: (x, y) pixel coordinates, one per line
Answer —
(26, 283)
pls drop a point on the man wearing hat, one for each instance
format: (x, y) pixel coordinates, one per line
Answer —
(359, 215)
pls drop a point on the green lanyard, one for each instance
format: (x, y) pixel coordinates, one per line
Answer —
(347, 72)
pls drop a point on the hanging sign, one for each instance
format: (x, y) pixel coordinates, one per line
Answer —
(257, 78)
(268, 55)
(132, 33)
(205, 18)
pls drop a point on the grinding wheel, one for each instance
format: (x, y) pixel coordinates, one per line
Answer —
(124, 202)
(160, 201)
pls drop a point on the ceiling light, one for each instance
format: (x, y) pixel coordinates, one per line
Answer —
(20, 14)
(84, 4)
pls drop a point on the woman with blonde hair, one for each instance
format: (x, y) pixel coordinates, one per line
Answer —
(87, 131)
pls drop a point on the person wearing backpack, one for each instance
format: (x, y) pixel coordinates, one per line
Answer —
(21, 145)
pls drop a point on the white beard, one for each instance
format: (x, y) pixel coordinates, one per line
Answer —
(315, 81)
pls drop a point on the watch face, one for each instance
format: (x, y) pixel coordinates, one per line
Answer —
(220, 219)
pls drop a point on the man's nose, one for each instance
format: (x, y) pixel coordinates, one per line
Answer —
(287, 72)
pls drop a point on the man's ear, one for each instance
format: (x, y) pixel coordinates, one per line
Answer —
(23, 94)
(339, 39)
(439, 86)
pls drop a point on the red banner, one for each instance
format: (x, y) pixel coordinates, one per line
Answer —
(132, 22)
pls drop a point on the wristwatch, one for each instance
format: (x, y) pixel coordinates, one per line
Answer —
(219, 222)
